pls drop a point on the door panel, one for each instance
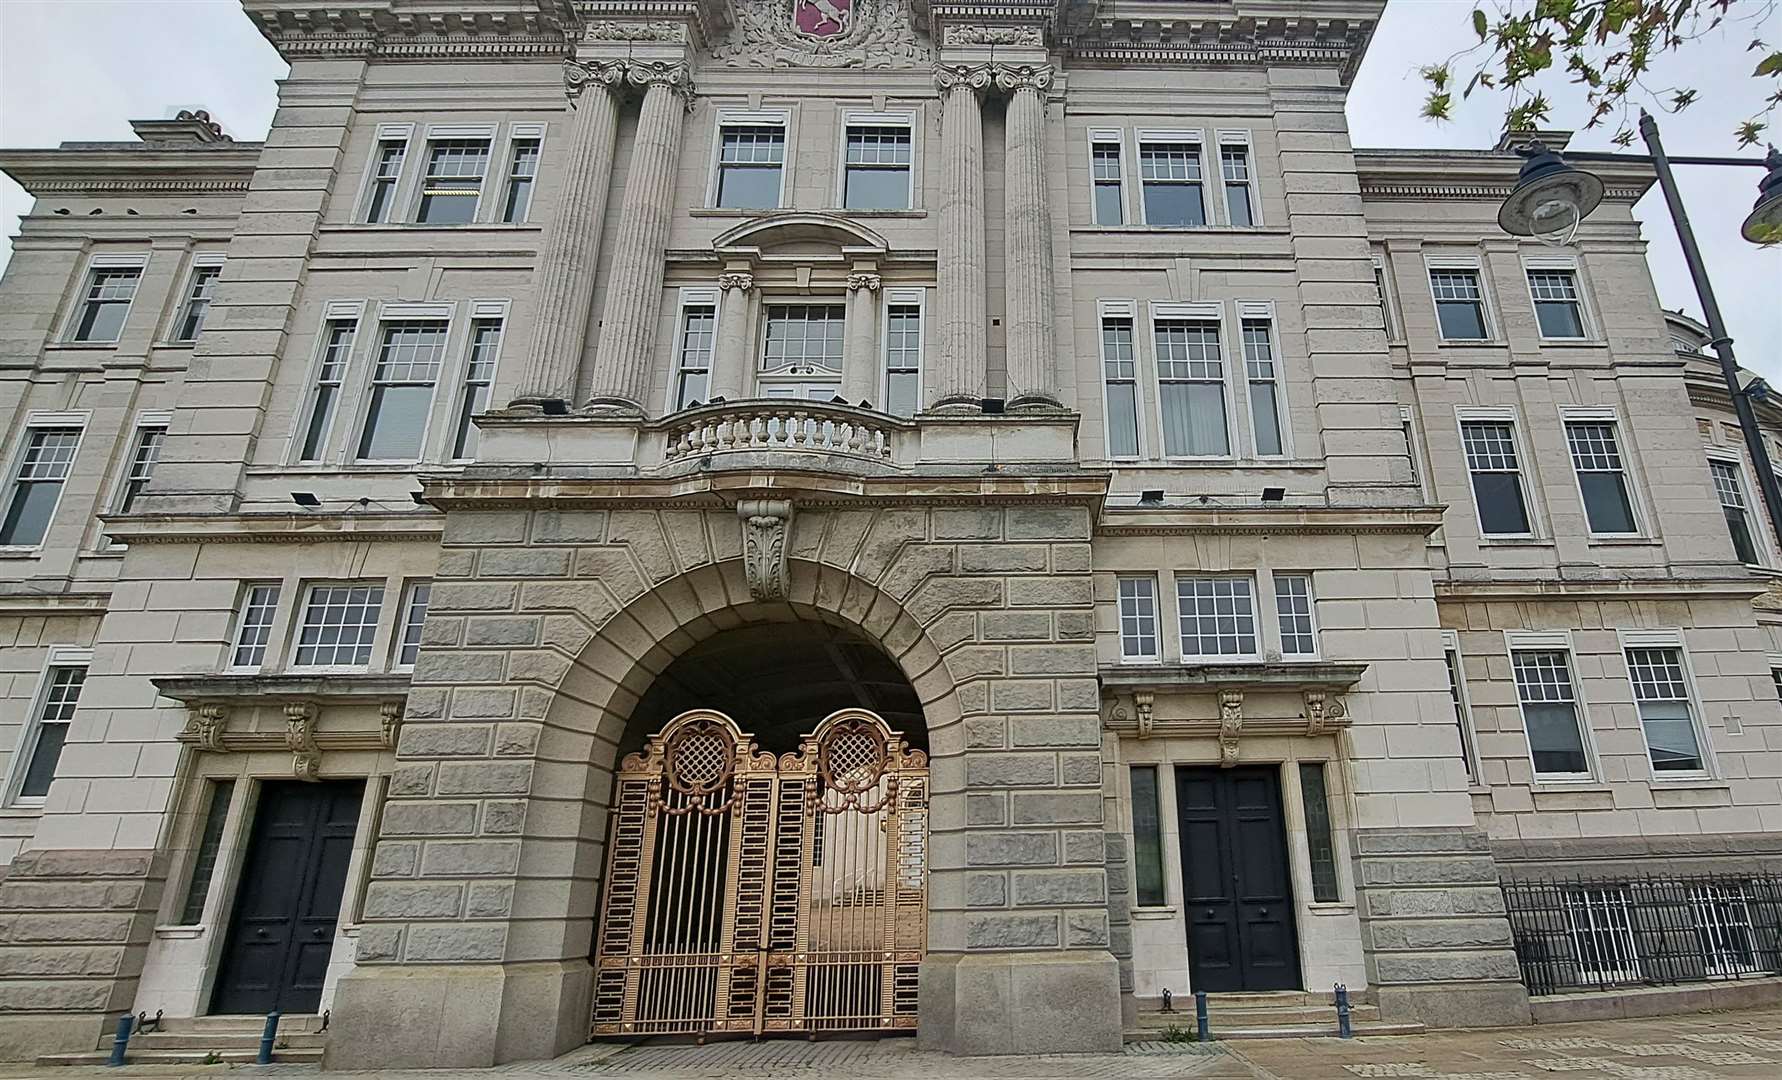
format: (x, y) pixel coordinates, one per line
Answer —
(1238, 897)
(288, 902)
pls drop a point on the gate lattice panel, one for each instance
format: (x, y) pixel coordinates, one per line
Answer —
(747, 893)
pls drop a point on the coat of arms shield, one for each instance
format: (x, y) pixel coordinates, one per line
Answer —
(822, 18)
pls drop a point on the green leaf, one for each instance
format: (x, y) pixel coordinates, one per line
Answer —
(1769, 65)
(1480, 24)
(1749, 132)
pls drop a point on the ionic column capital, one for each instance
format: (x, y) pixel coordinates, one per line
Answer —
(1012, 77)
(974, 77)
(869, 282)
(616, 76)
(741, 281)
(673, 75)
(608, 75)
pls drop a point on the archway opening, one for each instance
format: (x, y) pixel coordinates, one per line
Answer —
(777, 680)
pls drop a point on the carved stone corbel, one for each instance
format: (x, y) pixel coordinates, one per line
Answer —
(300, 736)
(869, 282)
(1231, 726)
(1142, 700)
(740, 280)
(1315, 720)
(205, 723)
(765, 522)
(391, 712)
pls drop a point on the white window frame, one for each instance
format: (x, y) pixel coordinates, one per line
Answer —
(1463, 708)
(1259, 620)
(1487, 316)
(1120, 309)
(456, 367)
(416, 179)
(79, 418)
(1671, 639)
(71, 320)
(1571, 414)
(380, 633)
(147, 418)
(26, 746)
(1407, 423)
(367, 355)
(386, 133)
(329, 453)
(781, 118)
(270, 651)
(1236, 137)
(1276, 632)
(1157, 620)
(903, 118)
(199, 262)
(1198, 137)
(1202, 312)
(1494, 414)
(517, 133)
(399, 631)
(1760, 533)
(903, 297)
(1388, 301)
(1587, 322)
(1264, 311)
(1117, 137)
(1517, 641)
(687, 297)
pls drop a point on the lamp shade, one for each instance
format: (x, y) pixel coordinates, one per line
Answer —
(1551, 198)
(1764, 224)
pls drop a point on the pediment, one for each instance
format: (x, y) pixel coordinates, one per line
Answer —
(800, 234)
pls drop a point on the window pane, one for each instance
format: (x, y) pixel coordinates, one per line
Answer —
(454, 180)
(749, 187)
(1265, 417)
(877, 189)
(55, 712)
(1293, 607)
(1194, 419)
(1138, 618)
(1559, 320)
(1663, 697)
(1497, 480)
(1549, 712)
(1452, 659)
(1237, 202)
(1147, 836)
(1461, 321)
(339, 623)
(1173, 204)
(203, 285)
(1555, 295)
(204, 858)
(1319, 844)
(1730, 487)
(258, 608)
(396, 423)
(806, 336)
(28, 514)
(413, 619)
(1218, 616)
(1596, 456)
(520, 172)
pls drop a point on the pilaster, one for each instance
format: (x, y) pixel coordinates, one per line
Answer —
(730, 346)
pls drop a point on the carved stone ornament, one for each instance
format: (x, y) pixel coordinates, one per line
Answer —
(300, 736)
(824, 33)
(205, 723)
(869, 282)
(612, 30)
(1013, 77)
(605, 74)
(977, 77)
(391, 713)
(995, 35)
(765, 522)
(1323, 712)
(1231, 726)
(742, 281)
(673, 74)
(1142, 700)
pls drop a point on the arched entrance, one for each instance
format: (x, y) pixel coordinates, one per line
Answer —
(767, 864)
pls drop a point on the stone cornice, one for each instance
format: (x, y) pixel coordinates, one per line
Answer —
(1727, 588)
(1474, 175)
(417, 29)
(1245, 35)
(132, 169)
(1284, 521)
(71, 602)
(808, 489)
(275, 528)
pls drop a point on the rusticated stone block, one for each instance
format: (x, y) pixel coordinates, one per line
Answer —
(972, 524)
(1042, 889)
(569, 526)
(64, 929)
(455, 668)
(1051, 659)
(986, 809)
(482, 702)
(1085, 928)
(1021, 695)
(503, 818)
(489, 900)
(1015, 625)
(1071, 558)
(1048, 809)
(1010, 849)
(425, 703)
(406, 780)
(485, 527)
(986, 732)
(54, 995)
(1083, 730)
(472, 858)
(939, 595)
(613, 568)
(443, 740)
(1446, 967)
(986, 890)
(429, 819)
(1080, 768)
(485, 777)
(516, 740)
(1085, 847)
(1011, 932)
(395, 860)
(450, 596)
(1048, 523)
(503, 630)
(589, 599)
(457, 942)
(1076, 626)
(379, 944)
(1049, 592)
(1010, 770)
(411, 900)
(60, 961)
(1002, 558)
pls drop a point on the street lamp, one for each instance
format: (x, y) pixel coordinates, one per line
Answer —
(1552, 197)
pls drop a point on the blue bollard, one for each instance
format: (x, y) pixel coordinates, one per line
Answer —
(1344, 1031)
(267, 1038)
(122, 1042)
(1200, 1016)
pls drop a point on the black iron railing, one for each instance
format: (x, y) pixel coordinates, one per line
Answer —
(1578, 934)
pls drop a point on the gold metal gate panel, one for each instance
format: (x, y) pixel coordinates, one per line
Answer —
(751, 894)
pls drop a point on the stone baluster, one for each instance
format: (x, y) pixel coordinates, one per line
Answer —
(730, 346)
(571, 248)
(860, 353)
(1032, 360)
(960, 371)
(621, 379)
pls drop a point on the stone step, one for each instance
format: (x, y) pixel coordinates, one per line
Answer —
(1286, 1031)
(1259, 1016)
(218, 1040)
(184, 1057)
(288, 1022)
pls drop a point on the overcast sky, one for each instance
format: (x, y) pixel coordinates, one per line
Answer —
(82, 69)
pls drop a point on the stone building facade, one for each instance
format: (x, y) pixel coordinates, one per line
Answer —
(555, 367)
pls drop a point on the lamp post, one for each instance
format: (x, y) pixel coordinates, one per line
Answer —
(1551, 198)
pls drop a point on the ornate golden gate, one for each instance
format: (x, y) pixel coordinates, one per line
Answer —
(746, 893)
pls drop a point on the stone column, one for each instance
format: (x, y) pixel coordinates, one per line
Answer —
(730, 346)
(958, 374)
(1032, 359)
(860, 353)
(634, 286)
(571, 250)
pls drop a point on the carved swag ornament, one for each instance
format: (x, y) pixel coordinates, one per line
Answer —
(823, 33)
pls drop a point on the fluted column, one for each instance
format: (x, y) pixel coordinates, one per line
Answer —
(634, 285)
(1032, 360)
(571, 249)
(860, 352)
(730, 347)
(959, 373)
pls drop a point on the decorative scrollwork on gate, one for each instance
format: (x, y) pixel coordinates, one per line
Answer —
(751, 895)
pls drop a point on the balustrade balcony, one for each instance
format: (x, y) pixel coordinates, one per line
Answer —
(782, 425)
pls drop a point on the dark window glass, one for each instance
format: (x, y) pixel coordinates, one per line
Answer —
(144, 456)
(1234, 164)
(749, 162)
(454, 180)
(204, 285)
(877, 176)
(1663, 699)
(1731, 490)
(697, 328)
(1460, 306)
(903, 358)
(522, 170)
(1120, 375)
(1555, 295)
(102, 312)
(1550, 712)
(479, 377)
(1318, 834)
(1147, 836)
(1104, 164)
(1452, 659)
(210, 843)
(335, 352)
(1259, 366)
(402, 390)
(36, 488)
(1171, 179)
(1596, 455)
(383, 182)
(1497, 477)
(54, 714)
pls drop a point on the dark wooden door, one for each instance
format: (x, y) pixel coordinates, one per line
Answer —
(1237, 893)
(288, 902)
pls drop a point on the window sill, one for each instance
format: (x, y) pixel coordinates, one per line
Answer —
(20, 552)
(22, 810)
(377, 468)
(419, 226)
(1214, 463)
(1154, 914)
(1222, 230)
(1573, 343)
(1515, 541)
(1471, 343)
(1329, 908)
(1690, 783)
(1612, 540)
(176, 344)
(181, 932)
(78, 346)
